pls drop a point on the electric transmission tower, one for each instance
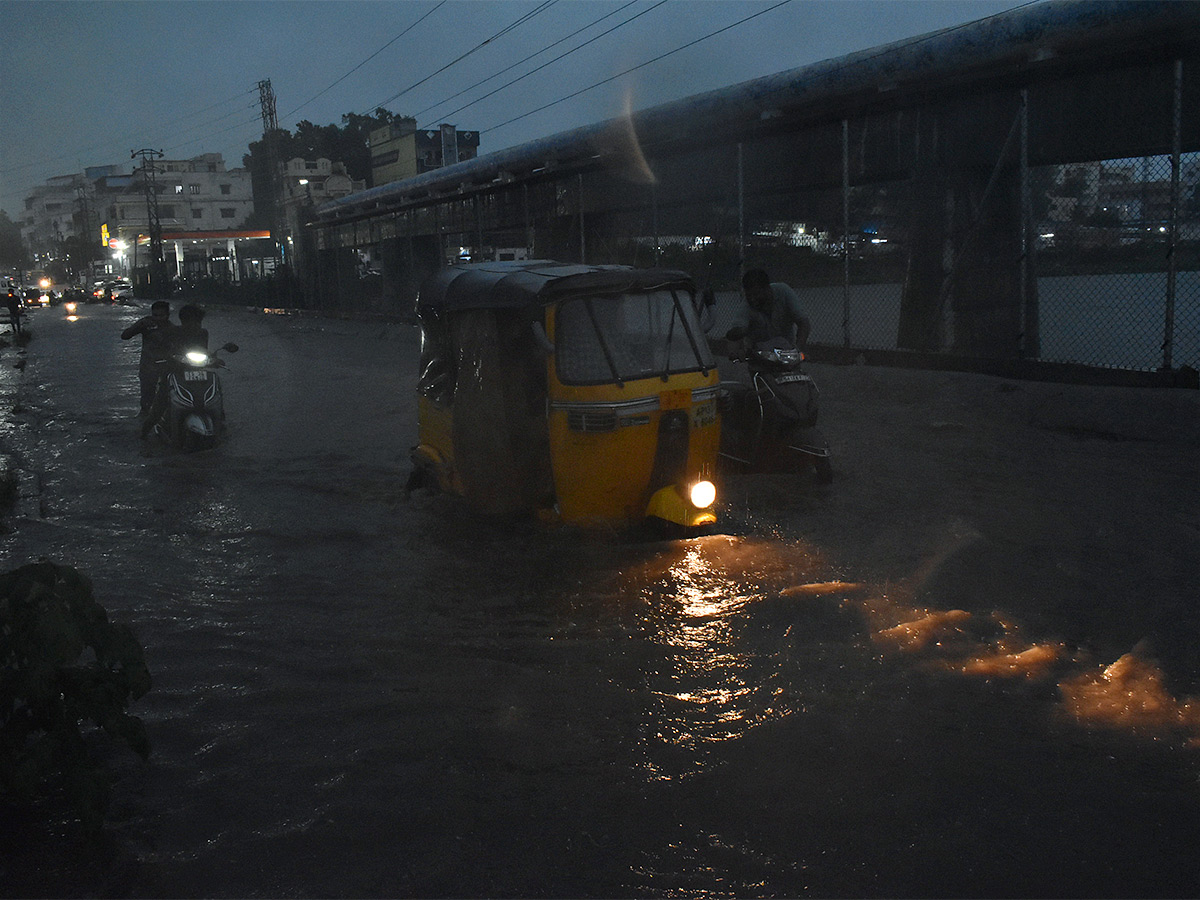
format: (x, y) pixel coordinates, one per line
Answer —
(266, 100)
(157, 279)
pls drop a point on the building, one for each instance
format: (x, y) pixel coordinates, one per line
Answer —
(196, 197)
(66, 207)
(399, 150)
(306, 183)
(197, 194)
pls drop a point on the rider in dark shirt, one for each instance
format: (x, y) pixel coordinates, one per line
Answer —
(155, 330)
(772, 309)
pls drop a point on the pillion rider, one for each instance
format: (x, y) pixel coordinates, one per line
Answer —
(771, 310)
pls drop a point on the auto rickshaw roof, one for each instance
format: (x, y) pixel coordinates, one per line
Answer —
(520, 283)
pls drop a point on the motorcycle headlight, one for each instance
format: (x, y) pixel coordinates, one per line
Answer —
(702, 494)
(196, 358)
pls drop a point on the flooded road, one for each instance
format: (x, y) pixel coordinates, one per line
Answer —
(855, 692)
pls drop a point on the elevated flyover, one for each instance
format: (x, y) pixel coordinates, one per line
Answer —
(926, 196)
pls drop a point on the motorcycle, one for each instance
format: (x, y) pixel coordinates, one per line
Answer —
(194, 418)
(769, 425)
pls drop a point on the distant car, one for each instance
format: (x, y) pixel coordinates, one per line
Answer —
(120, 290)
(35, 298)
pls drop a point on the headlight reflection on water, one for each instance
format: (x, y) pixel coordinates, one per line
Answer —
(712, 606)
(716, 686)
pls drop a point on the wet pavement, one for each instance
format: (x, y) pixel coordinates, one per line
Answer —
(963, 669)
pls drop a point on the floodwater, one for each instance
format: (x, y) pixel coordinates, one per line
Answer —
(362, 694)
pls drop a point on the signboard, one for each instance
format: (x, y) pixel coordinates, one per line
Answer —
(449, 145)
(104, 241)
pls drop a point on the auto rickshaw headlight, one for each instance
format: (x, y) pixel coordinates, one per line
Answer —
(702, 494)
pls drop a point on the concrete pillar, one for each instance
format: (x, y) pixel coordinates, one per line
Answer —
(178, 259)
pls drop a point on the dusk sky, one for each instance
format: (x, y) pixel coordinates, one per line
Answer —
(87, 83)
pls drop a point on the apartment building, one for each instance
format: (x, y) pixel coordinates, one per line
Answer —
(197, 194)
(399, 150)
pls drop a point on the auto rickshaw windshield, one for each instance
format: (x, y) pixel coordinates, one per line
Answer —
(617, 339)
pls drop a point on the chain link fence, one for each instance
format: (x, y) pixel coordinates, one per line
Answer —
(924, 229)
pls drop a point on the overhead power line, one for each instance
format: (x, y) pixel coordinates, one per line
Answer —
(553, 61)
(233, 112)
(254, 121)
(100, 147)
(648, 62)
(367, 60)
(503, 31)
(594, 22)
(183, 118)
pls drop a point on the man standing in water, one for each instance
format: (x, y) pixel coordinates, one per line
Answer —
(155, 330)
(13, 303)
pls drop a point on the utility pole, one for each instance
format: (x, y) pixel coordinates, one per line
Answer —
(158, 282)
(86, 244)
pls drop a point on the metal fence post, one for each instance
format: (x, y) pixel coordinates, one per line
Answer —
(529, 248)
(582, 242)
(845, 232)
(1030, 326)
(654, 221)
(1173, 233)
(741, 184)
(478, 226)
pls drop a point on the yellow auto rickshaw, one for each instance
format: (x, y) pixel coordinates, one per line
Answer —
(586, 394)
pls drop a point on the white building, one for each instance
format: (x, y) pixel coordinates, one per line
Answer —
(306, 183)
(197, 194)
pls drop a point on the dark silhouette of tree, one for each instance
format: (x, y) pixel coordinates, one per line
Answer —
(347, 144)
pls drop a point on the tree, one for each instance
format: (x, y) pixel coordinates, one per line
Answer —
(13, 254)
(347, 144)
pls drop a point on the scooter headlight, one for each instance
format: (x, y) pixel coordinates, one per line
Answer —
(702, 494)
(197, 358)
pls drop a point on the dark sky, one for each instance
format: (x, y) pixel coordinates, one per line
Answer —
(86, 83)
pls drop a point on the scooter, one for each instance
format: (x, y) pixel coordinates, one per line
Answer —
(769, 425)
(195, 415)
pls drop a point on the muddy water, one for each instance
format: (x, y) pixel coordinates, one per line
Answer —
(362, 694)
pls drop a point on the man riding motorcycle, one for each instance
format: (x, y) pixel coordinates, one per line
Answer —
(189, 334)
(771, 309)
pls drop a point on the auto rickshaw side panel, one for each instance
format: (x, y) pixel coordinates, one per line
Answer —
(481, 410)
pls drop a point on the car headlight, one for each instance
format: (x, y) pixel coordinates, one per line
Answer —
(702, 494)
